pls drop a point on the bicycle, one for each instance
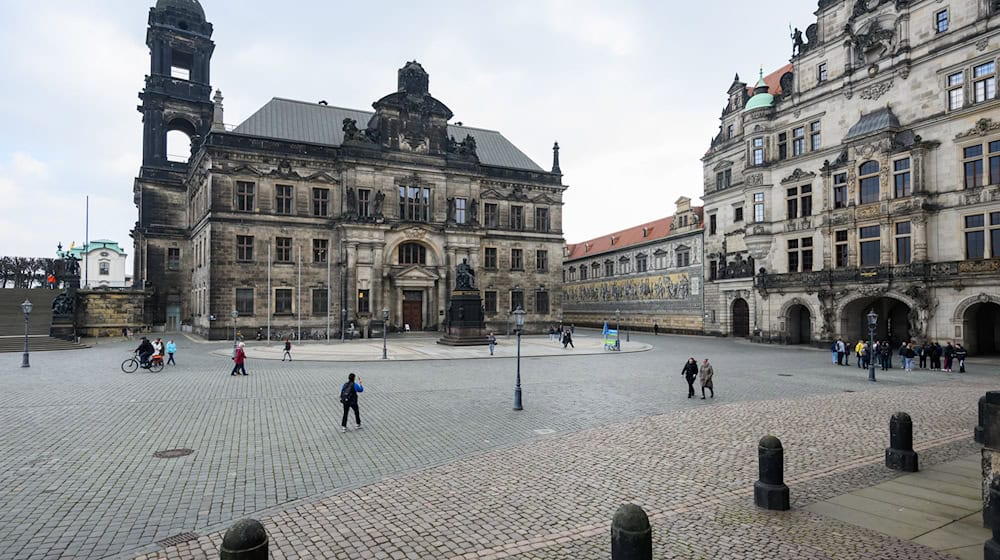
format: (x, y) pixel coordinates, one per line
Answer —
(132, 364)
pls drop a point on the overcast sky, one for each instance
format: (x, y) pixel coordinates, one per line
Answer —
(632, 90)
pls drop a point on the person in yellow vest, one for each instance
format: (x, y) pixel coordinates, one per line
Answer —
(858, 349)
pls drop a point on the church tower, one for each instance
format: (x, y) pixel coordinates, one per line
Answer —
(177, 113)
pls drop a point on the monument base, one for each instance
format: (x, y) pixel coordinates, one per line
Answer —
(466, 322)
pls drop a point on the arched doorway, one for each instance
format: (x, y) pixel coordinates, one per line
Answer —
(982, 329)
(799, 324)
(741, 318)
(893, 320)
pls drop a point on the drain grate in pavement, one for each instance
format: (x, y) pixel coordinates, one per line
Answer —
(177, 539)
(172, 453)
(784, 375)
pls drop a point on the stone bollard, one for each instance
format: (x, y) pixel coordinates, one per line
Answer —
(991, 549)
(245, 540)
(631, 535)
(900, 456)
(770, 491)
(978, 432)
(991, 452)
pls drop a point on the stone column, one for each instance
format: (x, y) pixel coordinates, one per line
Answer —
(918, 234)
(351, 279)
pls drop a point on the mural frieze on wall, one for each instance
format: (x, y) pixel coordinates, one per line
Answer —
(648, 288)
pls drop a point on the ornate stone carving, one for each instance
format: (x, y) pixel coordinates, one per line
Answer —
(983, 127)
(875, 91)
(872, 291)
(353, 134)
(64, 304)
(755, 179)
(798, 175)
(991, 265)
(982, 44)
(868, 211)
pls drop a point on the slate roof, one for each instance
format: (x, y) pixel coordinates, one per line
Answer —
(300, 121)
(657, 229)
(877, 121)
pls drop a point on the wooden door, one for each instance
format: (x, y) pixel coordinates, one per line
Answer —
(413, 309)
(741, 318)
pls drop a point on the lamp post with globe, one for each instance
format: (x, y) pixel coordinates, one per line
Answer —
(872, 325)
(26, 309)
(385, 323)
(518, 326)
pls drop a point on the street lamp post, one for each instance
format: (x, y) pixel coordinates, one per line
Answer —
(234, 315)
(26, 308)
(618, 329)
(872, 324)
(518, 326)
(385, 322)
(343, 323)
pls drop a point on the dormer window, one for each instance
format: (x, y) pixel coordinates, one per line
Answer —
(612, 240)
(645, 232)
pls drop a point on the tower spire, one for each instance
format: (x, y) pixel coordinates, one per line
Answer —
(555, 159)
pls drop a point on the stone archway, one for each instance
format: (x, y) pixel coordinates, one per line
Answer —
(894, 319)
(741, 318)
(981, 328)
(798, 324)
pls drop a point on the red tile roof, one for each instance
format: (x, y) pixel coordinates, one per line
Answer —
(773, 80)
(657, 229)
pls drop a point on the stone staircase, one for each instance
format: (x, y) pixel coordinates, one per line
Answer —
(39, 322)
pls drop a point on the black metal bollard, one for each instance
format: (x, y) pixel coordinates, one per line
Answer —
(978, 432)
(770, 491)
(245, 540)
(631, 535)
(991, 549)
(900, 456)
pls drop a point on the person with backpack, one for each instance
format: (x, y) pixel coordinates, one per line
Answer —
(960, 355)
(288, 351)
(690, 373)
(349, 398)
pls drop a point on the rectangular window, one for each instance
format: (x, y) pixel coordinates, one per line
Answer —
(244, 196)
(806, 200)
(319, 301)
(758, 207)
(815, 136)
(517, 299)
(956, 91)
(244, 248)
(758, 151)
(901, 177)
(821, 73)
(542, 303)
(730, 132)
(490, 301)
(282, 301)
(283, 199)
(782, 145)
(541, 261)
(984, 82)
(840, 248)
(609, 268)
(683, 259)
(320, 250)
(870, 245)
(461, 207)
(793, 255)
(713, 272)
(517, 218)
(104, 269)
(994, 162)
(807, 254)
(793, 203)
(738, 214)
(640, 263)
(869, 182)
(414, 204)
(712, 224)
(973, 163)
(173, 258)
(283, 249)
(321, 202)
(995, 235)
(798, 141)
(491, 215)
(941, 21)
(244, 301)
(516, 260)
(364, 301)
(903, 243)
(364, 203)
(840, 190)
(490, 258)
(541, 219)
(975, 237)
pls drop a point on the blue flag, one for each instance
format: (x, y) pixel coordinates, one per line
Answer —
(605, 331)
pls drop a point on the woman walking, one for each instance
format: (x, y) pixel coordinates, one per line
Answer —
(238, 361)
(690, 373)
(705, 374)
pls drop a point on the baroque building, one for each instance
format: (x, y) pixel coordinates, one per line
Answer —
(309, 217)
(864, 175)
(647, 275)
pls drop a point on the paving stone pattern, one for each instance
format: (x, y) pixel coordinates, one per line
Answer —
(444, 468)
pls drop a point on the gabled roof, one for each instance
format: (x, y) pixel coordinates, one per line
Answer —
(313, 123)
(879, 120)
(657, 229)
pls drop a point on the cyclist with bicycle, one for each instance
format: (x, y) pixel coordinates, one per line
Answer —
(145, 350)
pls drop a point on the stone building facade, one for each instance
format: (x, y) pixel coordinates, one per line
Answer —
(647, 275)
(308, 216)
(863, 175)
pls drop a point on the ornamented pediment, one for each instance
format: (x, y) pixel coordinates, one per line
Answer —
(982, 128)
(623, 258)
(411, 180)
(798, 175)
(682, 247)
(659, 252)
(416, 273)
(322, 177)
(722, 165)
(543, 199)
(414, 232)
(241, 169)
(284, 171)
(491, 194)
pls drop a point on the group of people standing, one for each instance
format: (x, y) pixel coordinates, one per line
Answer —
(703, 374)
(932, 353)
(562, 334)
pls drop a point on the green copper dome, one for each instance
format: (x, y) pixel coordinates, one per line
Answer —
(761, 98)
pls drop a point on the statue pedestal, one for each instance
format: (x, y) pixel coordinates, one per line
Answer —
(466, 323)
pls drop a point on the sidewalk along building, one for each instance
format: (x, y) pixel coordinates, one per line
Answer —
(647, 275)
(102, 264)
(307, 215)
(864, 175)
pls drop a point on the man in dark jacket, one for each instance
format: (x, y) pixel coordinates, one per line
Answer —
(960, 354)
(690, 373)
(949, 354)
(145, 350)
(349, 398)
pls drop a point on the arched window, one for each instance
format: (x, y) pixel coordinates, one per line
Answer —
(412, 253)
(178, 146)
(869, 182)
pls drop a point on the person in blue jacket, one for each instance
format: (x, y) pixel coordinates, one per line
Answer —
(171, 348)
(349, 398)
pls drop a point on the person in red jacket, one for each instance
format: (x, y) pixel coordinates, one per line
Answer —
(238, 361)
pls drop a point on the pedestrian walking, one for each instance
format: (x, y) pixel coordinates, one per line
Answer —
(909, 354)
(949, 355)
(552, 333)
(705, 373)
(239, 361)
(171, 349)
(288, 351)
(857, 351)
(690, 373)
(935, 356)
(656, 329)
(841, 352)
(493, 342)
(567, 338)
(349, 398)
(960, 354)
